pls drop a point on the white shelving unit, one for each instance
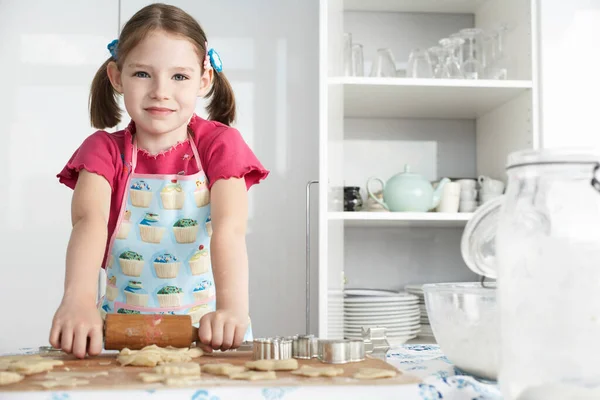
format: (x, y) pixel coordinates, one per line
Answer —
(452, 128)
(407, 6)
(406, 220)
(425, 98)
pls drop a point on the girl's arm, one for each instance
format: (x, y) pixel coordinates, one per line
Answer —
(77, 319)
(229, 213)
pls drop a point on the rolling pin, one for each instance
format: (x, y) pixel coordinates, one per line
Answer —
(138, 331)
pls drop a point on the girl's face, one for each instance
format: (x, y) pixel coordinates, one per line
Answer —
(160, 82)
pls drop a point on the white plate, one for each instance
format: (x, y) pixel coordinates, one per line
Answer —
(407, 327)
(414, 288)
(383, 304)
(370, 292)
(399, 298)
(412, 321)
(402, 320)
(382, 318)
(388, 332)
(388, 308)
(382, 313)
(392, 340)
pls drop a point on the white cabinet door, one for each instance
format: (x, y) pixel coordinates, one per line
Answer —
(570, 78)
(50, 51)
(270, 55)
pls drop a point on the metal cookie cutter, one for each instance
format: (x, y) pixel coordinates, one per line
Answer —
(49, 350)
(376, 343)
(277, 348)
(341, 351)
(304, 347)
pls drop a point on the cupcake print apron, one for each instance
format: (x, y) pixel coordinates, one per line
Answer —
(159, 257)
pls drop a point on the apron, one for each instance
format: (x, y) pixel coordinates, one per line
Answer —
(159, 255)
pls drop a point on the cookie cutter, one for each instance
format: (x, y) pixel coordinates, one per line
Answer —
(276, 348)
(49, 350)
(341, 351)
(304, 347)
(376, 343)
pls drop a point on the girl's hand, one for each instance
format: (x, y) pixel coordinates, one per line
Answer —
(222, 330)
(77, 328)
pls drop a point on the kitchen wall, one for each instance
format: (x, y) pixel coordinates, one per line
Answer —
(50, 52)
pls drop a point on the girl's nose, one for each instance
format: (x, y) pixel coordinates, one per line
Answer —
(160, 89)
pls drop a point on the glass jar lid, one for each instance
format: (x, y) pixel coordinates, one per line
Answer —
(478, 244)
(552, 156)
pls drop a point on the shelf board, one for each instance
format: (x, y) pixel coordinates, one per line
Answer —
(401, 219)
(418, 6)
(425, 98)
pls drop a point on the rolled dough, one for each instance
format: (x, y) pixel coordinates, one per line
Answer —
(187, 369)
(71, 382)
(273, 365)
(151, 356)
(254, 375)
(314, 372)
(6, 378)
(33, 365)
(223, 369)
(374, 373)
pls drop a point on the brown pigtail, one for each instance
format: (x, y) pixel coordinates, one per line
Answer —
(222, 103)
(104, 108)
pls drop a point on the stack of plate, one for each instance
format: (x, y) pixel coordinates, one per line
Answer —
(398, 312)
(426, 331)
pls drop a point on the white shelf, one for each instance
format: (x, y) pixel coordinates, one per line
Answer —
(425, 98)
(401, 219)
(421, 6)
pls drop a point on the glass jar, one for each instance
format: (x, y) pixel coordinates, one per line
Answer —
(542, 242)
(352, 198)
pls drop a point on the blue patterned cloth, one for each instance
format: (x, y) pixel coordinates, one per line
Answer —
(440, 380)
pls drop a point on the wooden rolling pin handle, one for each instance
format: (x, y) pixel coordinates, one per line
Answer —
(136, 331)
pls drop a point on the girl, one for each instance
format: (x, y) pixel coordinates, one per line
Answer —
(162, 202)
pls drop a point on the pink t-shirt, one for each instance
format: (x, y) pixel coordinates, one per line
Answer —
(223, 154)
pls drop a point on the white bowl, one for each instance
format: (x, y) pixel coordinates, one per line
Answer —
(465, 324)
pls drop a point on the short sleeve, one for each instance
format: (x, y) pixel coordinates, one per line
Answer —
(97, 154)
(228, 156)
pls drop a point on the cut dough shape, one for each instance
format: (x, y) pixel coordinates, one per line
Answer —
(254, 375)
(49, 384)
(181, 380)
(374, 373)
(6, 378)
(273, 365)
(151, 356)
(187, 369)
(223, 369)
(33, 365)
(314, 372)
(7, 360)
(151, 378)
(59, 375)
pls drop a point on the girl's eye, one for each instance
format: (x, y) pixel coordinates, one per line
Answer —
(141, 74)
(179, 77)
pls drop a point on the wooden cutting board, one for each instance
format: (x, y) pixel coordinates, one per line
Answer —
(120, 378)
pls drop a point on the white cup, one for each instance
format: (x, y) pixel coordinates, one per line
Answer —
(450, 198)
(489, 185)
(468, 194)
(467, 206)
(467, 184)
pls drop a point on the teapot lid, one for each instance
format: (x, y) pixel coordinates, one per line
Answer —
(478, 246)
(407, 171)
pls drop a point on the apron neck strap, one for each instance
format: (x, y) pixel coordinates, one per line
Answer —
(192, 145)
